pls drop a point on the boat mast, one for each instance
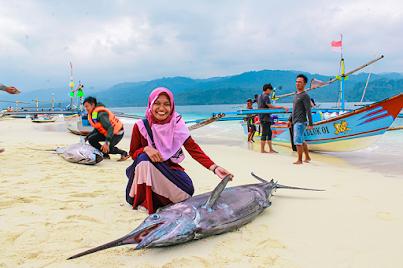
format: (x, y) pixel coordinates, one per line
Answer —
(342, 76)
(342, 84)
(71, 85)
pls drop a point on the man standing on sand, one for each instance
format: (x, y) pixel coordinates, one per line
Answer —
(301, 110)
(263, 102)
(11, 90)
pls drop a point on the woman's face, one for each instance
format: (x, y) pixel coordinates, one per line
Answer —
(162, 107)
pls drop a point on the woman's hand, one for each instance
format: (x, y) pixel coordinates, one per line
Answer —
(220, 171)
(153, 154)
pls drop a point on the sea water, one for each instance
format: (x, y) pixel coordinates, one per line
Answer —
(384, 156)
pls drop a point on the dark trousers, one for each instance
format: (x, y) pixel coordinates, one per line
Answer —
(95, 138)
(266, 131)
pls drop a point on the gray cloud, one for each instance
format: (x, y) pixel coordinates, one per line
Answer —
(121, 41)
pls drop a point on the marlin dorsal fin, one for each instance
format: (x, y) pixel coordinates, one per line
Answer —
(216, 192)
(258, 178)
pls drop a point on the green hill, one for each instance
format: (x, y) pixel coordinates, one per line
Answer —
(376, 90)
(237, 89)
(227, 90)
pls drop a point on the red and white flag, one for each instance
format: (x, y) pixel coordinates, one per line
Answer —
(336, 46)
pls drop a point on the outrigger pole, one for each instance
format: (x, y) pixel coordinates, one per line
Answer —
(335, 79)
(16, 102)
(38, 101)
(206, 122)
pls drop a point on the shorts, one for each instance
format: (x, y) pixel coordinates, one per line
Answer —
(266, 131)
(299, 129)
(251, 125)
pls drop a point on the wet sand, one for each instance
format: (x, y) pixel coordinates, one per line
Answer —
(51, 209)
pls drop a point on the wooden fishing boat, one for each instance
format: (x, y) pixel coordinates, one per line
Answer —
(347, 130)
(44, 118)
(350, 131)
(78, 124)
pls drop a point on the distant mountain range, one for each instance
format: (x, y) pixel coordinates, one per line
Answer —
(227, 90)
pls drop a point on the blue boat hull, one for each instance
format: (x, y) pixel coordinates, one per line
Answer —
(350, 131)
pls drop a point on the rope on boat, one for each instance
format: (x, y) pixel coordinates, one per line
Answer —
(206, 122)
(335, 79)
(395, 128)
(366, 85)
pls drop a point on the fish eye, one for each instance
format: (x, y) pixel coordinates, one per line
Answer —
(155, 216)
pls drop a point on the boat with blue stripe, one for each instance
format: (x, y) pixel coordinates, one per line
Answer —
(348, 130)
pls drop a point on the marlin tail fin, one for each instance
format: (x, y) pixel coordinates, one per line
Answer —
(284, 186)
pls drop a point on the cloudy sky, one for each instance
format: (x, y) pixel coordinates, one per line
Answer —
(116, 41)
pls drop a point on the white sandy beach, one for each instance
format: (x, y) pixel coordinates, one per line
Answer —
(51, 209)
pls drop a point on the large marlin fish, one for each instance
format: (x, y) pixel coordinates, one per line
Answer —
(79, 153)
(200, 216)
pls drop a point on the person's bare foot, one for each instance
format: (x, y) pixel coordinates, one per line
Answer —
(142, 209)
(298, 163)
(107, 157)
(307, 160)
(123, 158)
(264, 152)
(273, 152)
(252, 140)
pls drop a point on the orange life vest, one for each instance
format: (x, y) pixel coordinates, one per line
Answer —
(93, 119)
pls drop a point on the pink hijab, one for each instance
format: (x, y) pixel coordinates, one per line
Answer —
(169, 134)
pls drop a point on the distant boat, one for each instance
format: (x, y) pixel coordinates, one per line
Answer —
(19, 116)
(44, 118)
(79, 124)
(11, 109)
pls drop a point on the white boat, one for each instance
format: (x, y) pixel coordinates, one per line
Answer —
(78, 124)
(44, 118)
